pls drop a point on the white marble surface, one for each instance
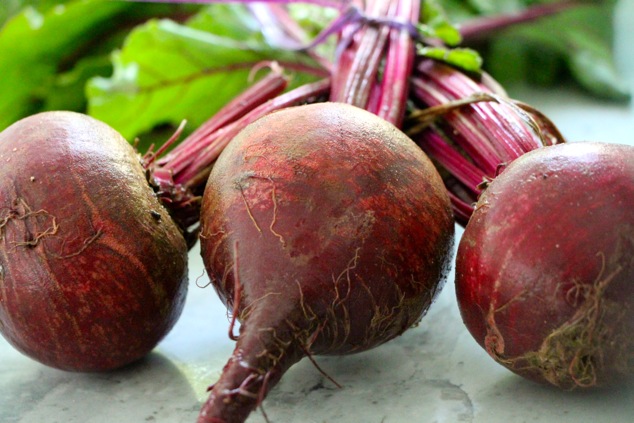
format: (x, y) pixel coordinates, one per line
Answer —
(433, 373)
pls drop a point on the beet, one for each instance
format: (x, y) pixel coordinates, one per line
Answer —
(325, 230)
(93, 270)
(545, 268)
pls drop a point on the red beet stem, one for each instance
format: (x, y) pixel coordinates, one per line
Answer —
(457, 164)
(271, 85)
(180, 176)
(483, 27)
(398, 65)
(355, 72)
(199, 170)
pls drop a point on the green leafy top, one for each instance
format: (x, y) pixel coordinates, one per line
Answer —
(166, 72)
(48, 53)
(143, 73)
(35, 48)
(138, 66)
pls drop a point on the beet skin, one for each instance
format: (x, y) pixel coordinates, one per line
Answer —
(326, 231)
(93, 271)
(545, 269)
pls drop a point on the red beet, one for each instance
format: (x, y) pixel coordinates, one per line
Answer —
(545, 269)
(326, 231)
(93, 270)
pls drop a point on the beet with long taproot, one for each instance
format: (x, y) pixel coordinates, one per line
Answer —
(325, 230)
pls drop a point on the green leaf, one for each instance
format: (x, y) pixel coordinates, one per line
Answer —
(9, 8)
(463, 58)
(227, 20)
(578, 41)
(593, 66)
(485, 7)
(167, 72)
(435, 24)
(41, 46)
(67, 91)
(34, 45)
(575, 43)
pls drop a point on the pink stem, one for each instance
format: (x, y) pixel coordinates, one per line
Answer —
(191, 175)
(357, 68)
(398, 66)
(454, 162)
(376, 59)
(187, 151)
(483, 27)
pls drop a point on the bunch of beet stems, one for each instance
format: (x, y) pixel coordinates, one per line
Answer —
(466, 123)
(371, 72)
(375, 59)
(471, 129)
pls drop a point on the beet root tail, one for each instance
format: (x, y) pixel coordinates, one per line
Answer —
(259, 360)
